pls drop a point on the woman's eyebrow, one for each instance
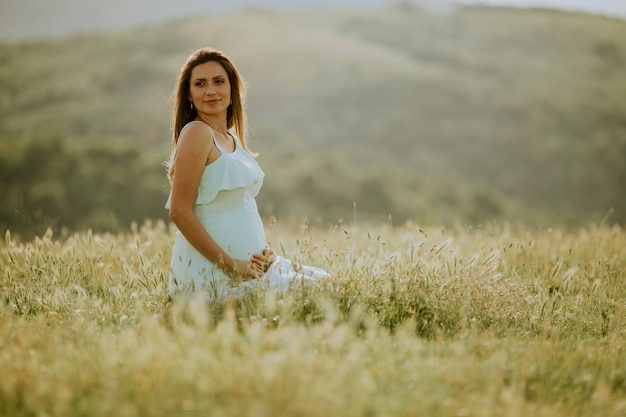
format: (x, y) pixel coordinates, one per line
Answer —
(214, 78)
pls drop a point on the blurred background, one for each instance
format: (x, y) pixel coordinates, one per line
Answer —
(438, 112)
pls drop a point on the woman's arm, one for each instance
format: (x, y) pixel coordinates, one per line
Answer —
(195, 147)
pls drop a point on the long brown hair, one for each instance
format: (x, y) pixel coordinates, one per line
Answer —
(183, 113)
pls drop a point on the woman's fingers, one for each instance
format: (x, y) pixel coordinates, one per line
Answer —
(262, 260)
(248, 270)
(269, 254)
(258, 259)
(255, 267)
(258, 264)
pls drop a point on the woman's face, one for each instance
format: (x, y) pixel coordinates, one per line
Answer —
(209, 88)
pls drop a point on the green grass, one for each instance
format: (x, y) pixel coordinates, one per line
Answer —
(501, 320)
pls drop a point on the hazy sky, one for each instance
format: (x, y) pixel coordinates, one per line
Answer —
(608, 7)
(44, 18)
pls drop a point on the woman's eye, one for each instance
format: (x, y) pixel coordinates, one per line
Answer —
(218, 82)
(199, 84)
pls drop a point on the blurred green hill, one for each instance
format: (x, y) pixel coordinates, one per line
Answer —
(478, 115)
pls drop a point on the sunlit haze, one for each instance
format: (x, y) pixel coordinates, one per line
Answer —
(42, 18)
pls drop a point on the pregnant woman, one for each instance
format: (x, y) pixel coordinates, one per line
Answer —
(220, 246)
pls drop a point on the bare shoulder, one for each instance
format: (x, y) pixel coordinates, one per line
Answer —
(195, 133)
(196, 138)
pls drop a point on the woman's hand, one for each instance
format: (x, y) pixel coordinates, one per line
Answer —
(247, 270)
(265, 259)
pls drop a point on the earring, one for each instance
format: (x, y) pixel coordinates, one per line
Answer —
(191, 105)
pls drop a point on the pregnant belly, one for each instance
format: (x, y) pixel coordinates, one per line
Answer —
(240, 234)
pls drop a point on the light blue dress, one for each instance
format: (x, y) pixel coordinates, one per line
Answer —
(226, 207)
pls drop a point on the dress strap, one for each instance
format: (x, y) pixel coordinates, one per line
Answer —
(219, 147)
(235, 139)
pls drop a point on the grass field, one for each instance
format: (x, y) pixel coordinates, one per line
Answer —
(498, 320)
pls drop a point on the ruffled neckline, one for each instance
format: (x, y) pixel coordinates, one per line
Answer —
(230, 171)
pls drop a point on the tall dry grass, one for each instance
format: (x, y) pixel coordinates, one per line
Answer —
(493, 321)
